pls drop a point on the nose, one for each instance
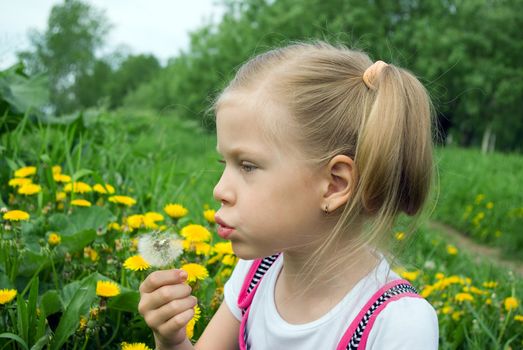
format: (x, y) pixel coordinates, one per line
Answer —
(223, 191)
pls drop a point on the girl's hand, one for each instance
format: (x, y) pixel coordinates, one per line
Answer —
(167, 306)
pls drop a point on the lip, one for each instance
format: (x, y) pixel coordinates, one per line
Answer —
(223, 230)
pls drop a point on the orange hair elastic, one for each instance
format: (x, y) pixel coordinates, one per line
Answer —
(372, 73)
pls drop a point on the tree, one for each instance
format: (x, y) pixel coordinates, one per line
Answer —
(66, 50)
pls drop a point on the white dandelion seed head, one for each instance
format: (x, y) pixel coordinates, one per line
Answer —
(160, 248)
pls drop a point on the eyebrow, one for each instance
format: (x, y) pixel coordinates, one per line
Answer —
(235, 151)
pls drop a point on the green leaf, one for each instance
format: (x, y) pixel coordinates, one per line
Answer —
(22, 318)
(15, 338)
(31, 310)
(127, 301)
(40, 343)
(76, 241)
(81, 173)
(50, 302)
(79, 305)
(82, 219)
(31, 261)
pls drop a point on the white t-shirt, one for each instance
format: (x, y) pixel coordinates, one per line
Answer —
(407, 323)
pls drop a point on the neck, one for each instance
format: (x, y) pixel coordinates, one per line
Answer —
(337, 272)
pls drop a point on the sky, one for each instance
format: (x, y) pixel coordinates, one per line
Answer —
(158, 27)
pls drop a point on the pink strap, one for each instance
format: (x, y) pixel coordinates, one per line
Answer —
(352, 328)
(244, 298)
(366, 332)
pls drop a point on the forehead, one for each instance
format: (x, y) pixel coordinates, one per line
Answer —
(245, 119)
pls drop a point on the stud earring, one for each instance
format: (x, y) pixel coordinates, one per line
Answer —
(326, 210)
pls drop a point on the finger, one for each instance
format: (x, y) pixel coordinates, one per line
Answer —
(161, 278)
(177, 322)
(162, 296)
(159, 316)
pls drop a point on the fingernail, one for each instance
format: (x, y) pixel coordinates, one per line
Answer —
(183, 274)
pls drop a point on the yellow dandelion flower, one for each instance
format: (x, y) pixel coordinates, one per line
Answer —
(452, 250)
(209, 215)
(456, 315)
(222, 248)
(488, 301)
(54, 239)
(135, 221)
(81, 203)
(107, 289)
(446, 310)
(104, 189)
(29, 189)
(229, 260)
(6, 295)
(461, 297)
(410, 275)
(90, 253)
(400, 236)
(134, 346)
(189, 330)
(518, 318)
(195, 272)
(114, 226)
(490, 205)
(16, 215)
(175, 211)
(490, 284)
(57, 169)
(19, 182)
(510, 303)
(60, 196)
(125, 200)
(61, 178)
(427, 291)
(78, 187)
(154, 216)
(439, 276)
(479, 198)
(25, 171)
(202, 248)
(195, 233)
(83, 323)
(136, 263)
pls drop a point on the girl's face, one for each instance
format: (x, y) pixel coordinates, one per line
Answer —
(269, 198)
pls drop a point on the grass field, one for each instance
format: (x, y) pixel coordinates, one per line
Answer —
(55, 259)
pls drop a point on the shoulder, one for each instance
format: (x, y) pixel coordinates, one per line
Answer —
(406, 323)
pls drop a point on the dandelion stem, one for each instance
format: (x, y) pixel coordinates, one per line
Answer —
(118, 318)
(55, 276)
(85, 342)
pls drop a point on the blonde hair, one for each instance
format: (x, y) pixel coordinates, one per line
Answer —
(387, 132)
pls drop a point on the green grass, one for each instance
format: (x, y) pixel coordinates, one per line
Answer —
(470, 183)
(158, 159)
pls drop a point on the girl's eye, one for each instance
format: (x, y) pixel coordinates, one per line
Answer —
(221, 161)
(247, 167)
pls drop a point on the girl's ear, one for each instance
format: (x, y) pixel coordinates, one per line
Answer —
(340, 181)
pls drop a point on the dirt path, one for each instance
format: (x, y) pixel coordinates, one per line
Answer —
(478, 250)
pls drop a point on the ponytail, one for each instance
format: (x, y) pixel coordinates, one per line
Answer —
(394, 153)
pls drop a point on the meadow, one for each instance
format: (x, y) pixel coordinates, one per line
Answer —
(77, 196)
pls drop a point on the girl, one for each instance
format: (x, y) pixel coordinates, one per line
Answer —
(322, 150)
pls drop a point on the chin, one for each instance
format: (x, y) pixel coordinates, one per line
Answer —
(246, 252)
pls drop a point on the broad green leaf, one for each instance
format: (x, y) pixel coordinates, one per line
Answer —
(127, 301)
(50, 302)
(79, 305)
(16, 338)
(31, 261)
